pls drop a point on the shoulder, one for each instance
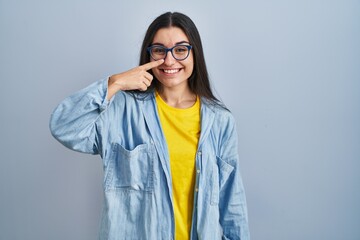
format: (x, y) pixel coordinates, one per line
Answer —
(222, 114)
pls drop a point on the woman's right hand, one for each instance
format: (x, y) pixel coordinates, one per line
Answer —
(134, 79)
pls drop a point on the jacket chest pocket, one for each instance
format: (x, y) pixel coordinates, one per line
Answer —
(130, 170)
(218, 177)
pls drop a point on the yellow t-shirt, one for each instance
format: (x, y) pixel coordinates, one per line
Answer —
(182, 130)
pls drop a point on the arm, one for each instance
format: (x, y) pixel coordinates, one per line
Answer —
(232, 204)
(75, 122)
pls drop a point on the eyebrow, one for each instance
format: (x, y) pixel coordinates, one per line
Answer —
(178, 43)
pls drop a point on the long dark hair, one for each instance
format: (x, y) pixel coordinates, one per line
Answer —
(199, 80)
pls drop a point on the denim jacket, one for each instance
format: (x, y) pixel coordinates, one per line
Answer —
(127, 134)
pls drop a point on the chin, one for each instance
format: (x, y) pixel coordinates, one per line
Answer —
(170, 83)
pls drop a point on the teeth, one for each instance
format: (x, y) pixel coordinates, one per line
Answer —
(171, 70)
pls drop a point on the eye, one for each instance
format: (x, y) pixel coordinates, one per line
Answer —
(180, 49)
(158, 50)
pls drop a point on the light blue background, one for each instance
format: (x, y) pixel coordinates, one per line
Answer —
(289, 71)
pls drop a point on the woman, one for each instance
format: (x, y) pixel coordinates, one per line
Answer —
(169, 147)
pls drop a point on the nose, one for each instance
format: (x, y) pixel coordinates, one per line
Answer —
(169, 59)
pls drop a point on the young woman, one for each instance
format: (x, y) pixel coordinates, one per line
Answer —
(169, 147)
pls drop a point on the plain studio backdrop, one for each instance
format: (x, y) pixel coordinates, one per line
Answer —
(288, 70)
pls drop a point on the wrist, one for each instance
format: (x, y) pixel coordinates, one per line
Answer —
(113, 86)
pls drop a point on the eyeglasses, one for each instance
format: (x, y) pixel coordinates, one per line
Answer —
(179, 52)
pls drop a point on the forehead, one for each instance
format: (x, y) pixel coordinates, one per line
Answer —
(170, 36)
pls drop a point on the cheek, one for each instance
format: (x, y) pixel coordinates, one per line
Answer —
(155, 72)
(190, 64)
(190, 68)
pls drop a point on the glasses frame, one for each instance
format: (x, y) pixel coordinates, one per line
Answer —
(189, 47)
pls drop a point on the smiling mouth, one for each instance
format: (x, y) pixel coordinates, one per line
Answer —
(171, 71)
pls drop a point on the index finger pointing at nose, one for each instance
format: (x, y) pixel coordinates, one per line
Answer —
(151, 65)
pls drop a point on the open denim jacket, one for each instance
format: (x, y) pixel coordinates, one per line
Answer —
(127, 134)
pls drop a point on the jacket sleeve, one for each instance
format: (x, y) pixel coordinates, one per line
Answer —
(74, 120)
(232, 204)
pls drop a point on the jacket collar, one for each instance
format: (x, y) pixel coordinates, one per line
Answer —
(150, 111)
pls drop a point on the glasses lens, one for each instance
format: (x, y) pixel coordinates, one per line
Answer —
(158, 52)
(180, 52)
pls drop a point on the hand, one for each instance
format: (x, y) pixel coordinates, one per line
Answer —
(134, 79)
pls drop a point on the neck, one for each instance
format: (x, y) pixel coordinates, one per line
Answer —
(178, 97)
